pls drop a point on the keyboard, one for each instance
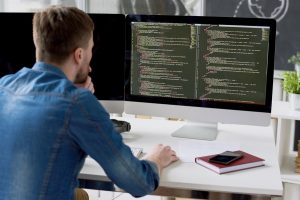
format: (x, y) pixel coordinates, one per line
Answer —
(136, 151)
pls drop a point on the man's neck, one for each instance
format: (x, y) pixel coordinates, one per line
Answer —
(67, 67)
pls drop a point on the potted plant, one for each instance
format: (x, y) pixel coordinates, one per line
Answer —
(295, 59)
(291, 84)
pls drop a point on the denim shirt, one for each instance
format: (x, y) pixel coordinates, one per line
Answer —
(47, 128)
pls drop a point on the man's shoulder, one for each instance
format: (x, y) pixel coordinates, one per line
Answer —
(85, 102)
(29, 81)
(8, 78)
(83, 95)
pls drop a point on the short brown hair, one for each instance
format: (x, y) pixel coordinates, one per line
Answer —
(58, 31)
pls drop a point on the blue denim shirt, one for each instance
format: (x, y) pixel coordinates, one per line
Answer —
(47, 128)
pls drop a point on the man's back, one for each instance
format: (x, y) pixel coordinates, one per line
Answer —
(35, 112)
(47, 127)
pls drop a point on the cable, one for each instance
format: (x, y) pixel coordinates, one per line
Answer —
(117, 196)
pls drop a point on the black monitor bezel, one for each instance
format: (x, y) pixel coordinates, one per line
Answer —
(203, 20)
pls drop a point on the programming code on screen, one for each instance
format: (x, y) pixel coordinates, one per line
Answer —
(200, 61)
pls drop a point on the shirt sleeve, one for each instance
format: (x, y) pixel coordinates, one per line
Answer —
(92, 129)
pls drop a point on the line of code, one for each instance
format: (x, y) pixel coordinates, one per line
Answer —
(196, 61)
(163, 61)
(235, 63)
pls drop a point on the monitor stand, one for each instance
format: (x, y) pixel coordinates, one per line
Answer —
(199, 131)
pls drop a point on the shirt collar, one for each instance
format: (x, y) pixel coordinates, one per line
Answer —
(45, 67)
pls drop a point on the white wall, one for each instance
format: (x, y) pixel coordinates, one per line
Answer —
(103, 6)
(194, 7)
(278, 93)
(33, 5)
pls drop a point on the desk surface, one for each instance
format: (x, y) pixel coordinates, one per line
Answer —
(181, 175)
(282, 109)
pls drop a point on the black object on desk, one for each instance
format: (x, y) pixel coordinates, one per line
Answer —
(121, 126)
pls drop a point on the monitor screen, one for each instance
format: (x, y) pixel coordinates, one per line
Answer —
(17, 50)
(16, 43)
(202, 69)
(108, 60)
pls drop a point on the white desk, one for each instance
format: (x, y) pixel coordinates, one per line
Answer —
(190, 176)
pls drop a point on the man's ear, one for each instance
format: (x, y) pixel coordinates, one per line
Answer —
(78, 55)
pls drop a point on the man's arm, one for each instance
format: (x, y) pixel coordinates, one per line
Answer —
(88, 84)
(91, 128)
(162, 155)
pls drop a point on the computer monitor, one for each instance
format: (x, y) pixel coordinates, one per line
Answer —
(17, 51)
(205, 70)
(108, 60)
(16, 42)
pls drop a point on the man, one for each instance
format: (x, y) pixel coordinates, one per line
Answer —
(48, 125)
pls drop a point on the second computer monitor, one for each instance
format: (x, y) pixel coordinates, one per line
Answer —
(16, 42)
(108, 60)
(17, 51)
(201, 69)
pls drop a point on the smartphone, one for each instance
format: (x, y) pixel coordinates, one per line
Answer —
(226, 157)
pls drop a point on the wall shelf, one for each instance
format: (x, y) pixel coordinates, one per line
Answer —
(285, 118)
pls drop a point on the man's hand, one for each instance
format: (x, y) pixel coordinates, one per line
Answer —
(88, 84)
(162, 155)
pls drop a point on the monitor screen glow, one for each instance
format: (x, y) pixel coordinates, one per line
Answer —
(201, 69)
